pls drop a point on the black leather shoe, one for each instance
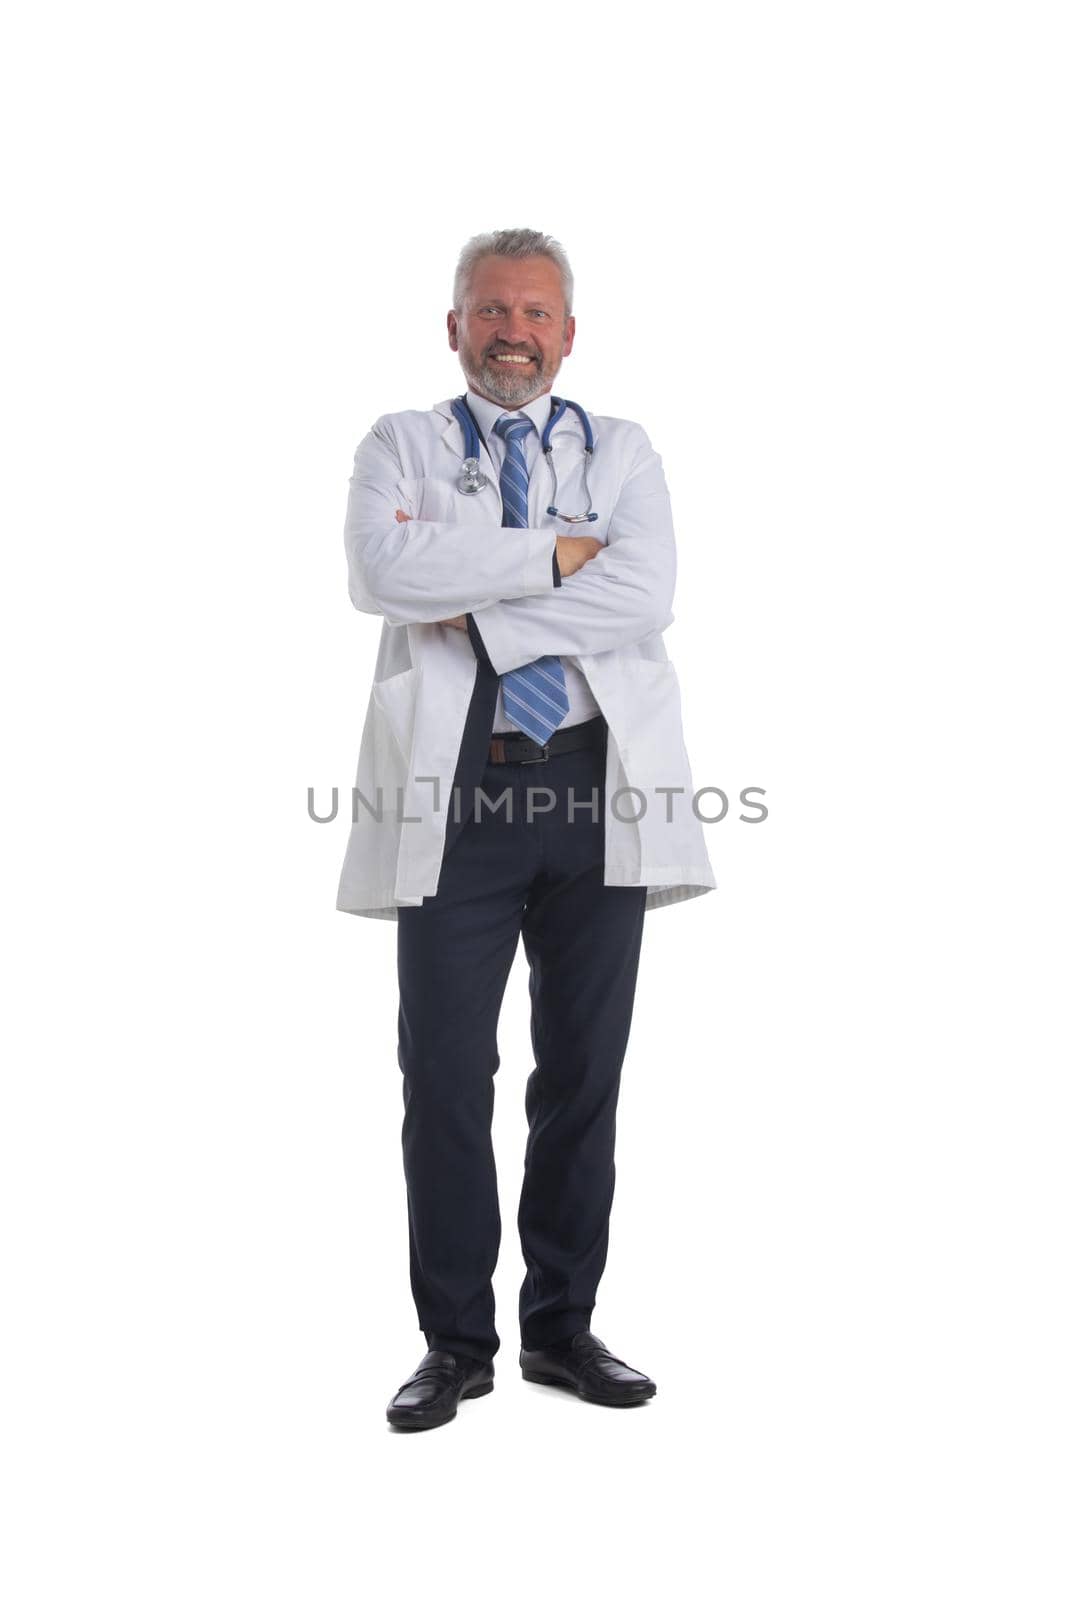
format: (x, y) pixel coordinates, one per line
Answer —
(433, 1392)
(585, 1364)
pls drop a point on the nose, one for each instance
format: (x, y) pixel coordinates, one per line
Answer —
(512, 330)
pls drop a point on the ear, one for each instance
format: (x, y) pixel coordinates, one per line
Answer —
(568, 340)
(453, 331)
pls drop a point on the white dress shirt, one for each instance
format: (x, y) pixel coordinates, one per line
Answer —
(582, 704)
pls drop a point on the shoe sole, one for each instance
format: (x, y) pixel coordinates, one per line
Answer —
(420, 1424)
(572, 1388)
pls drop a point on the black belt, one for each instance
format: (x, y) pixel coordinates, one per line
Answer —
(519, 747)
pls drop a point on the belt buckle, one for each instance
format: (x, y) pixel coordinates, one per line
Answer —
(530, 760)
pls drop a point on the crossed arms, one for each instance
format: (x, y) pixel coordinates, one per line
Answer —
(424, 571)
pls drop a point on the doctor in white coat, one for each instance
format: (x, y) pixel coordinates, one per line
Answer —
(522, 774)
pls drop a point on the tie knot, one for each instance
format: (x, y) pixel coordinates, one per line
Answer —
(512, 427)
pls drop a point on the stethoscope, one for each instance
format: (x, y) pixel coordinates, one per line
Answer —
(473, 479)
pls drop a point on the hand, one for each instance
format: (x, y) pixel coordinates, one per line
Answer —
(574, 550)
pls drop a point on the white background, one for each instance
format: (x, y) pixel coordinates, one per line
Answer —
(819, 256)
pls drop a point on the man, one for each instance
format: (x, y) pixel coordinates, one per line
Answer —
(522, 774)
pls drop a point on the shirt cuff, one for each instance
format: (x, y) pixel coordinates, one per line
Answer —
(556, 579)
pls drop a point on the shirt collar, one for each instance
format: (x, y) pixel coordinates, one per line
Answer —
(487, 412)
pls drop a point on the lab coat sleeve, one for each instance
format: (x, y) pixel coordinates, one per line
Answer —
(423, 571)
(624, 594)
(477, 644)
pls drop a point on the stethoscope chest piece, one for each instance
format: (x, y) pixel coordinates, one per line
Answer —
(473, 479)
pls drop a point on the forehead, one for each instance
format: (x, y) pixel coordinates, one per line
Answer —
(503, 278)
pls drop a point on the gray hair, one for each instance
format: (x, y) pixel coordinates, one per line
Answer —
(518, 243)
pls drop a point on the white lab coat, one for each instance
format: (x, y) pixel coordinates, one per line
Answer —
(609, 617)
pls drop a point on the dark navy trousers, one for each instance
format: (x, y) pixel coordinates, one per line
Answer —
(537, 876)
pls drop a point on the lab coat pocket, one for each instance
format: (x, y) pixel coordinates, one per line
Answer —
(656, 765)
(654, 749)
(429, 499)
(395, 698)
(439, 500)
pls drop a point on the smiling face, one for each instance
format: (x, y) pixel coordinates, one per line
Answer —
(511, 334)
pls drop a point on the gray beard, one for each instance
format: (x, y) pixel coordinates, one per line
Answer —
(508, 392)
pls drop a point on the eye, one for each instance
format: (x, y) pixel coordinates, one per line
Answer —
(539, 313)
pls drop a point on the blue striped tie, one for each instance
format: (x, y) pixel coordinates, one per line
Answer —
(535, 698)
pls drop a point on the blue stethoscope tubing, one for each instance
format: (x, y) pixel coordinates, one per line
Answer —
(473, 479)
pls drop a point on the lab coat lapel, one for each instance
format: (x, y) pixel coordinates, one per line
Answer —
(451, 432)
(452, 438)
